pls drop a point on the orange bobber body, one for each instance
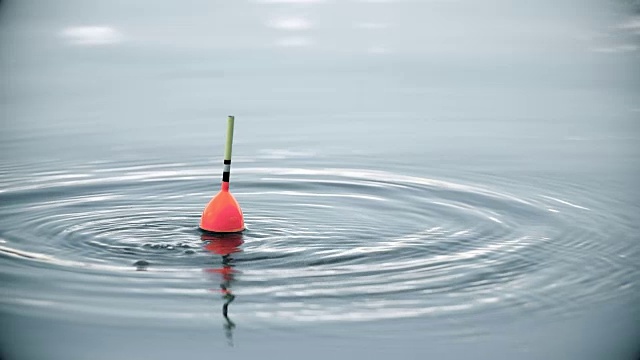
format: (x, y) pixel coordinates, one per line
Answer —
(222, 214)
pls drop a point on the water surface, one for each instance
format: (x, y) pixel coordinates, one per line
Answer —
(410, 189)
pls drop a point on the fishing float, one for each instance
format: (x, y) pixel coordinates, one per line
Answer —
(223, 214)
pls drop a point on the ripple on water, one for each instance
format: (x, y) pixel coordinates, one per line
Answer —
(321, 245)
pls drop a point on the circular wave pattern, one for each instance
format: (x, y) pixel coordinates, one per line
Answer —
(320, 245)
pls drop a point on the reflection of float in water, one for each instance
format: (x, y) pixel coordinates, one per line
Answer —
(224, 246)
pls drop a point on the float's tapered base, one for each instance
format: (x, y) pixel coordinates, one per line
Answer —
(222, 214)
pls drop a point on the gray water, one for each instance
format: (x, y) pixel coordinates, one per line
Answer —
(420, 179)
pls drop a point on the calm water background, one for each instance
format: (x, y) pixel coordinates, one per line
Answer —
(419, 179)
